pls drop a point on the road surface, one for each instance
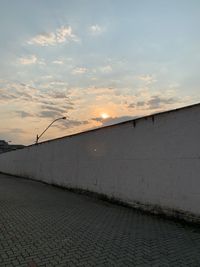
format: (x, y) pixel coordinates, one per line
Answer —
(42, 225)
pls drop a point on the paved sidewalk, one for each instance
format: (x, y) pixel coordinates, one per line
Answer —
(42, 225)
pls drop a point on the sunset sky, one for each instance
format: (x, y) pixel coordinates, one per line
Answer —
(95, 62)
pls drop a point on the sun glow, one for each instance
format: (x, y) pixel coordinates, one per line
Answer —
(104, 115)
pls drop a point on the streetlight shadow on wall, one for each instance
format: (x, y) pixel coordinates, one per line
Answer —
(38, 136)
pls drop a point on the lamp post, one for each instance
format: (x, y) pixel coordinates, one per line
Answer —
(38, 136)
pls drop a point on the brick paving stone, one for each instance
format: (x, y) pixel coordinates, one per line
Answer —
(42, 225)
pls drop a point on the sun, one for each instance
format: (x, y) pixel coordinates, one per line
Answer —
(104, 115)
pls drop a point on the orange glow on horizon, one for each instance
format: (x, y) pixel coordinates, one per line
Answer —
(104, 115)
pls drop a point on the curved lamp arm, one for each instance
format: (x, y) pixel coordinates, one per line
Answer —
(38, 137)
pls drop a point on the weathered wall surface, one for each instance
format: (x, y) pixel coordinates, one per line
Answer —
(152, 161)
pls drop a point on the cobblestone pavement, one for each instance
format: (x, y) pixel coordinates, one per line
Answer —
(42, 225)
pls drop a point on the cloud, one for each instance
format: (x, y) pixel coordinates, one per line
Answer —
(53, 108)
(61, 35)
(23, 114)
(131, 105)
(106, 69)
(46, 77)
(59, 94)
(137, 104)
(36, 102)
(156, 101)
(140, 103)
(43, 39)
(153, 102)
(68, 123)
(49, 113)
(96, 29)
(37, 106)
(58, 62)
(115, 120)
(65, 33)
(56, 104)
(148, 79)
(11, 91)
(79, 71)
(53, 85)
(28, 60)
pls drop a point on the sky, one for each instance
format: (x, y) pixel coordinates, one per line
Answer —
(95, 62)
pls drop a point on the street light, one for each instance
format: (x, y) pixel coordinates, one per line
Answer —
(38, 137)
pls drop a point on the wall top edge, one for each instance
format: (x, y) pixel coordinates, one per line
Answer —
(114, 125)
(124, 122)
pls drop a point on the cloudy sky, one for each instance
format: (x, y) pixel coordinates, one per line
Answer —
(95, 62)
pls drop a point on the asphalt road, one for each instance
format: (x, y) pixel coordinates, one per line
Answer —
(42, 225)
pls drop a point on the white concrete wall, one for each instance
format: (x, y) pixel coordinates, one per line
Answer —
(156, 161)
